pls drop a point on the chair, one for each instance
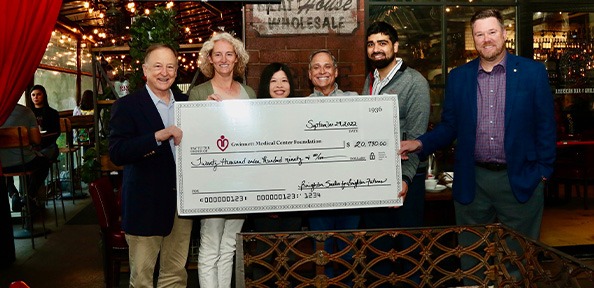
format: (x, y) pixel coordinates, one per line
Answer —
(54, 189)
(18, 137)
(69, 150)
(80, 123)
(65, 113)
(18, 284)
(572, 169)
(114, 246)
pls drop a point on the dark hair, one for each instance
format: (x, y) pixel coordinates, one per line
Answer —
(86, 100)
(488, 13)
(154, 47)
(30, 102)
(382, 28)
(264, 87)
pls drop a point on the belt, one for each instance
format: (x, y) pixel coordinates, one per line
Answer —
(491, 166)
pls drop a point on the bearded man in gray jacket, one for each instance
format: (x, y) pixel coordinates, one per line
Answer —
(392, 76)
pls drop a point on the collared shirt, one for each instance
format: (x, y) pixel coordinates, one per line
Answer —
(379, 84)
(335, 92)
(491, 114)
(165, 111)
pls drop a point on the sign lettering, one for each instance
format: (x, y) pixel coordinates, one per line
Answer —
(306, 17)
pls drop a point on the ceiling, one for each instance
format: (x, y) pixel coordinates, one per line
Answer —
(197, 19)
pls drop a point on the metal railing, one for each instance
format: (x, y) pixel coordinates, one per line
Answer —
(493, 255)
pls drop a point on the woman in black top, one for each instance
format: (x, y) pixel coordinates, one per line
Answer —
(48, 120)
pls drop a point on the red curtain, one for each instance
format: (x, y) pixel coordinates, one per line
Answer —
(25, 30)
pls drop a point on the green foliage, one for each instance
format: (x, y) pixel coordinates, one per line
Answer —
(91, 168)
(157, 27)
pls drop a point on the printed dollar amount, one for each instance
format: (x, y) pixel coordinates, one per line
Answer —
(367, 144)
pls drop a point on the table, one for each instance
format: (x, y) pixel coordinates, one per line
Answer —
(439, 208)
(572, 168)
(564, 143)
(445, 195)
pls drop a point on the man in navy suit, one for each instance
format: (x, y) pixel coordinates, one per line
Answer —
(499, 107)
(142, 139)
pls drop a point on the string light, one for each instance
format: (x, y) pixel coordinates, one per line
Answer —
(61, 49)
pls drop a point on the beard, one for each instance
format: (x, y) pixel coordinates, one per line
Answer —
(492, 55)
(379, 64)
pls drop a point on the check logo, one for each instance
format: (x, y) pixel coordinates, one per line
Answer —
(223, 143)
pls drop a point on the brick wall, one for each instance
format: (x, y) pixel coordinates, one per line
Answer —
(294, 51)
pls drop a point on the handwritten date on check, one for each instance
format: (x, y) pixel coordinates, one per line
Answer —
(293, 154)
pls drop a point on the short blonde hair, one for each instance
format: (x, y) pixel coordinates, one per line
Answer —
(242, 56)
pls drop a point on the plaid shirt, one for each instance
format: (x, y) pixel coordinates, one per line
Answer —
(491, 115)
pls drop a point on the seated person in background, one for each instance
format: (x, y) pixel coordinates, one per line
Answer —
(48, 120)
(84, 108)
(11, 158)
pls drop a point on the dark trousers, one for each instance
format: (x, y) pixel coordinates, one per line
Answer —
(495, 202)
(347, 219)
(409, 215)
(7, 248)
(273, 222)
(34, 181)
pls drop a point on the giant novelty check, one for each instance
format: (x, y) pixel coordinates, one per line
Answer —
(294, 154)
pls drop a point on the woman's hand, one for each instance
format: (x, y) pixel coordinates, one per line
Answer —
(215, 97)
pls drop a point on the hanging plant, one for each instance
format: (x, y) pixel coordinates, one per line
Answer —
(157, 27)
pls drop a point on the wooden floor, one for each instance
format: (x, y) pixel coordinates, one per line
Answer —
(567, 223)
(70, 255)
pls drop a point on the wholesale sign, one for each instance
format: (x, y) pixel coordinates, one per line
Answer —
(306, 17)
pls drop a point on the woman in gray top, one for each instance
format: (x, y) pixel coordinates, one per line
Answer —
(222, 58)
